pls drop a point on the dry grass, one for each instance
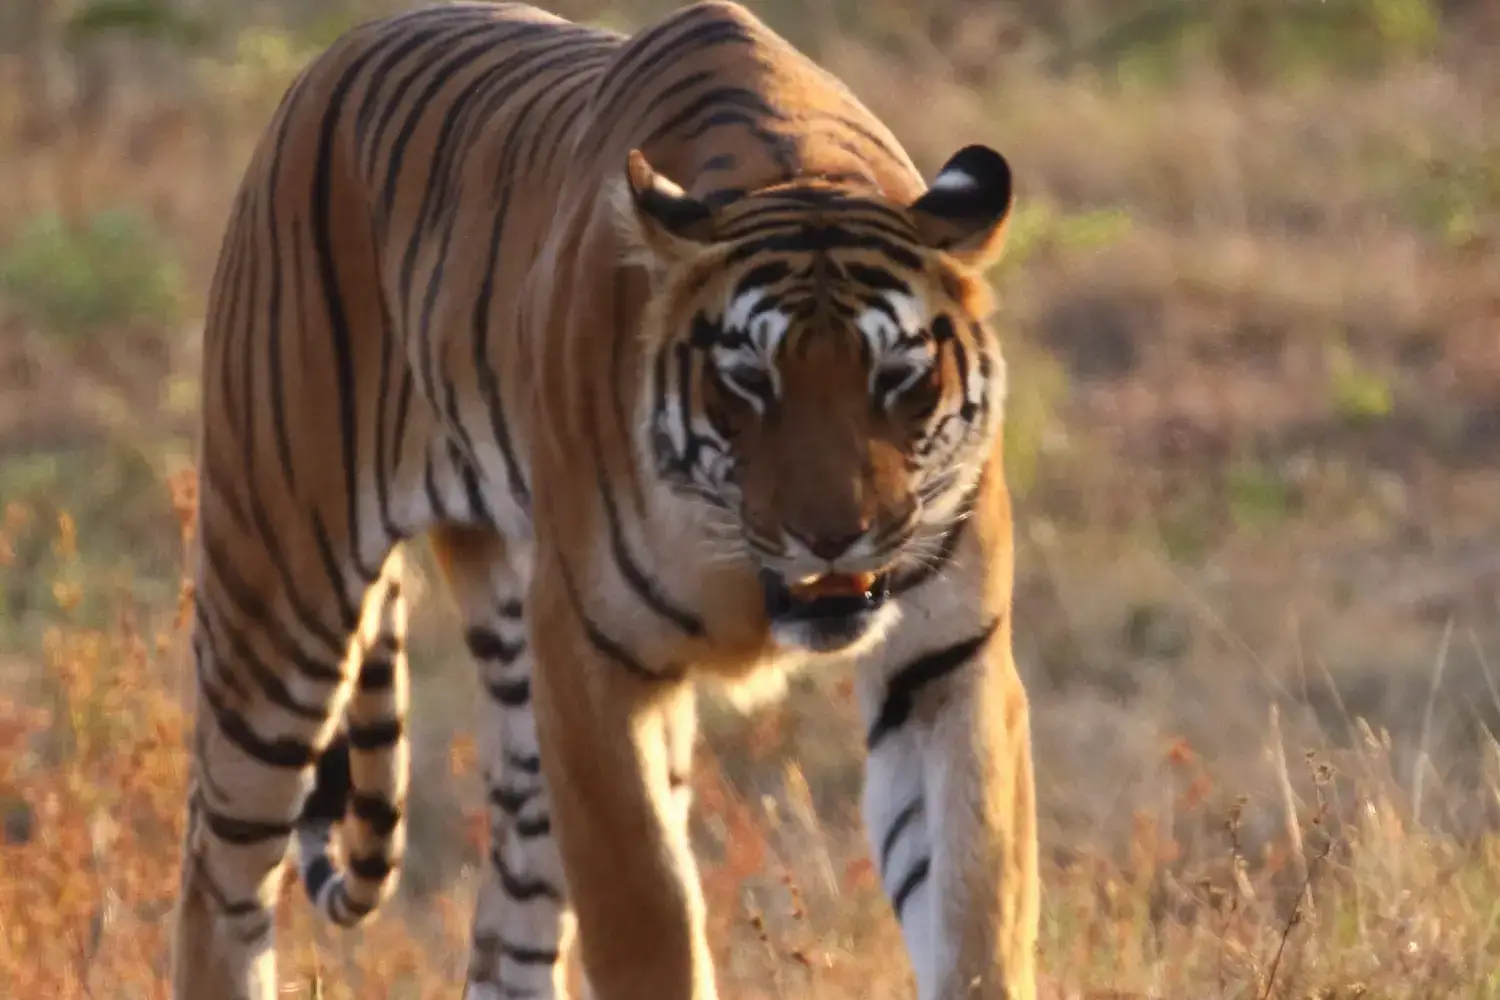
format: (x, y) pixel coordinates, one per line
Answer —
(1350, 896)
(1253, 302)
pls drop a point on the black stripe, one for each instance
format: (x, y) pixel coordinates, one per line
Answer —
(484, 370)
(332, 784)
(249, 405)
(211, 483)
(893, 833)
(352, 910)
(588, 59)
(528, 956)
(340, 335)
(491, 945)
(403, 410)
(648, 590)
(242, 832)
(490, 83)
(375, 735)
(623, 345)
(348, 613)
(787, 211)
(528, 829)
(374, 867)
(690, 441)
(430, 487)
(437, 76)
(267, 679)
(967, 409)
(229, 679)
(563, 130)
(582, 69)
(525, 763)
(252, 931)
(607, 647)
(227, 286)
(870, 137)
(519, 888)
(881, 280)
(376, 674)
(720, 197)
(761, 275)
(372, 101)
(282, 752)
(391, 105)
(584, 58)
(273, 306)
(426, 355)
(485, 644)
(467, 112)
(211, 888)
(511, 800)
(782, 149)
(623, 82)
(731, 105)
(821, 239)
(385, 457)
(296, 601)
(683, 84)
(910, 884)
(479, 508)
(511, 694)
(902, 688)
(380, 815)
(930, 568)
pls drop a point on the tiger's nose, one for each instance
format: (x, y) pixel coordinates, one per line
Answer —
(830, 546)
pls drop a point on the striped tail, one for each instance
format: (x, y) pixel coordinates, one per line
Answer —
(363, 775)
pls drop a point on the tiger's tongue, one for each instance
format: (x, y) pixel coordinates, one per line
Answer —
(833, 585)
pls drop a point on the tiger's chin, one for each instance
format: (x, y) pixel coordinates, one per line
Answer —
(831, 613)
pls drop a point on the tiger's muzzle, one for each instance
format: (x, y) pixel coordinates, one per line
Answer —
(824, 613)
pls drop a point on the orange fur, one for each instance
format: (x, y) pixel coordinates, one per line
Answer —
(641, 333)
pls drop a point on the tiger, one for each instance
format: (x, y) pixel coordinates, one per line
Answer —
(685, 375)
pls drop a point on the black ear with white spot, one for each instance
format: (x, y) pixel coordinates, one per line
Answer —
(666, 220)
(967, 207)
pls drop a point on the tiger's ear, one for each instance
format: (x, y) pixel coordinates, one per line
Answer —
(659, 220)
(966, 210)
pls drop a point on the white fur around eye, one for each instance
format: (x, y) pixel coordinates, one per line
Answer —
(745, 373)
(737, 312)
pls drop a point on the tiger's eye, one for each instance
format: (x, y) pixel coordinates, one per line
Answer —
(889, 380)
(754, 381)
(924, 393)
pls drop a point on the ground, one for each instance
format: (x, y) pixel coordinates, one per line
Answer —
(1251, 315)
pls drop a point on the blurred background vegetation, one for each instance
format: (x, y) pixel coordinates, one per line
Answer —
(1252, 314)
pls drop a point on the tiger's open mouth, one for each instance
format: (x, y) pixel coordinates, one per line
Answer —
(828, 596)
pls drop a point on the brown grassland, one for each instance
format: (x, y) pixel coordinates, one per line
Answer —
(1252, 311)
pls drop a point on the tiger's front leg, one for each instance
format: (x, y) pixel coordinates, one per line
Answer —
(615, 737)
(522, 917)
(949, 808)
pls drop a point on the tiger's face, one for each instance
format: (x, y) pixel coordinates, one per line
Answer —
(823, 380)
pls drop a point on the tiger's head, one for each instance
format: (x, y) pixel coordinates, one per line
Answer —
(821, 377)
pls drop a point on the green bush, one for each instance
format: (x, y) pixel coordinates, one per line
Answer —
(113, 270)
(1262, 40)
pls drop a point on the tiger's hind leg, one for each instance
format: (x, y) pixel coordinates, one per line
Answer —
(273, 679)
(522, 918)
